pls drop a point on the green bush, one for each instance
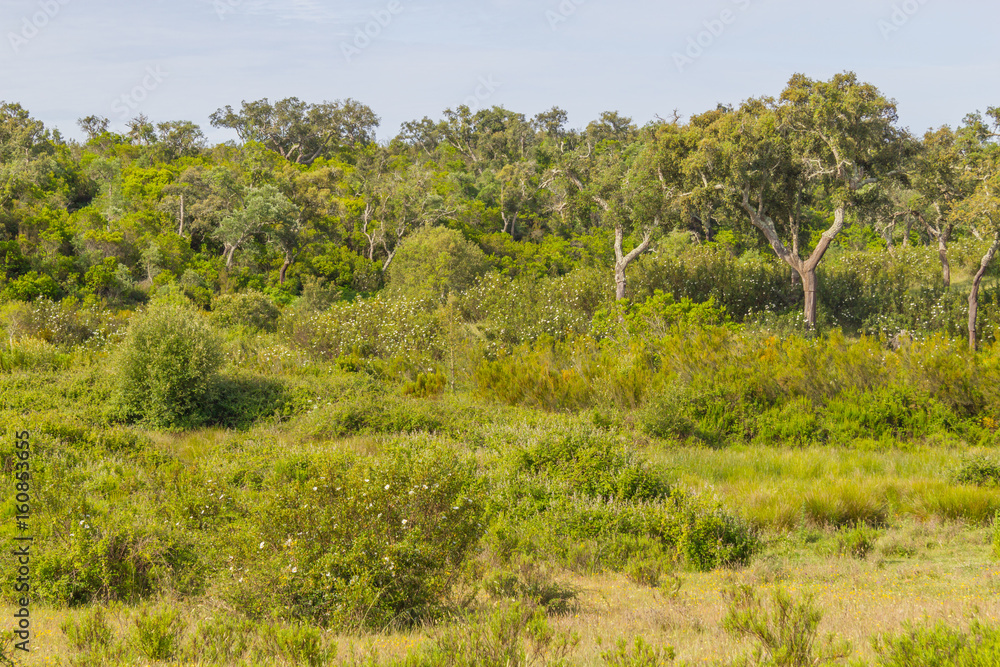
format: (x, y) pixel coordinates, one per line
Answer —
(939, 646)
(353, 542)
(90, 632)
(157, 632)
(533, 584)
(639, 654)
(570, 489)
(221, 639)
(785, 630)
(515, 635)
(435, 262)
(370, 414)
(111, 563)
(300, 645)
(166, 366)
(237, 401)
(977, 471)
(857, 541)
(995, 537)
(251, 310)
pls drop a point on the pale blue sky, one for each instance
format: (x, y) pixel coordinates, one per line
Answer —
(182, 59)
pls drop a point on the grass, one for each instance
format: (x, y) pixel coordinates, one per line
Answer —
(949, 578)
(881, 533)
(780, 489)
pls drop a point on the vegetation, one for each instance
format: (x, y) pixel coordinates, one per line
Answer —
(479, 395)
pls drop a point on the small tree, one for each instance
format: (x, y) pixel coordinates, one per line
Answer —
(435, 262)
(166, 364)
(982, 207)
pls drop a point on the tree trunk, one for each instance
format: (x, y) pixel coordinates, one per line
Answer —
(230, 250)
(945, 265)
(284, 269)
(809, 288)
(620, 281)
(622, 260)
(180, 227)
(805, 269)
(974, 295)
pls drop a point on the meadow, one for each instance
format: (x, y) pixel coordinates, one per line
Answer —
(525, 472)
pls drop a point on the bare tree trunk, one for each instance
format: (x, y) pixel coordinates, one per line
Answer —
(180, 227)
(284, 269)
(388, 261)
(805, 269)
(945, 265)
(622, 260)
(809, 283)
(230, 250)
(941, 235)
(974, 295)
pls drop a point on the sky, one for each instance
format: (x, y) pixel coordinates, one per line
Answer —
(406, 59)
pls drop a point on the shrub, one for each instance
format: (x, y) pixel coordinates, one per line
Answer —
(857, 541)
(977, 471)
(239, 401)
(939, 646)
(515, 635)
(221, 639)
(299, 644)
(251, 310)
(435, 262)
(157, 632)
(90, 632)
(639, 654)
(166, 365)
(111, 563)
(995, 536)
(574, 489)
(785, 631)
(533, 584)
(355, 542)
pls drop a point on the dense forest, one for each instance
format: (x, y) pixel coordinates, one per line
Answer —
(500, 392)
(309, 202)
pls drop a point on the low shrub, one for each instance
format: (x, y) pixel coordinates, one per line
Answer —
(977, 471)
(857, 541)
(533, 584)
(299, 644)
(939, 645)
(90, 632)
(785, 630)
(166, 366)
(253, 311)
(353, 542)
(221, 639)
(513, 635)
(157, 632)
(638, 654)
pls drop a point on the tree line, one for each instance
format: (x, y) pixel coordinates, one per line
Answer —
(308, 194)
